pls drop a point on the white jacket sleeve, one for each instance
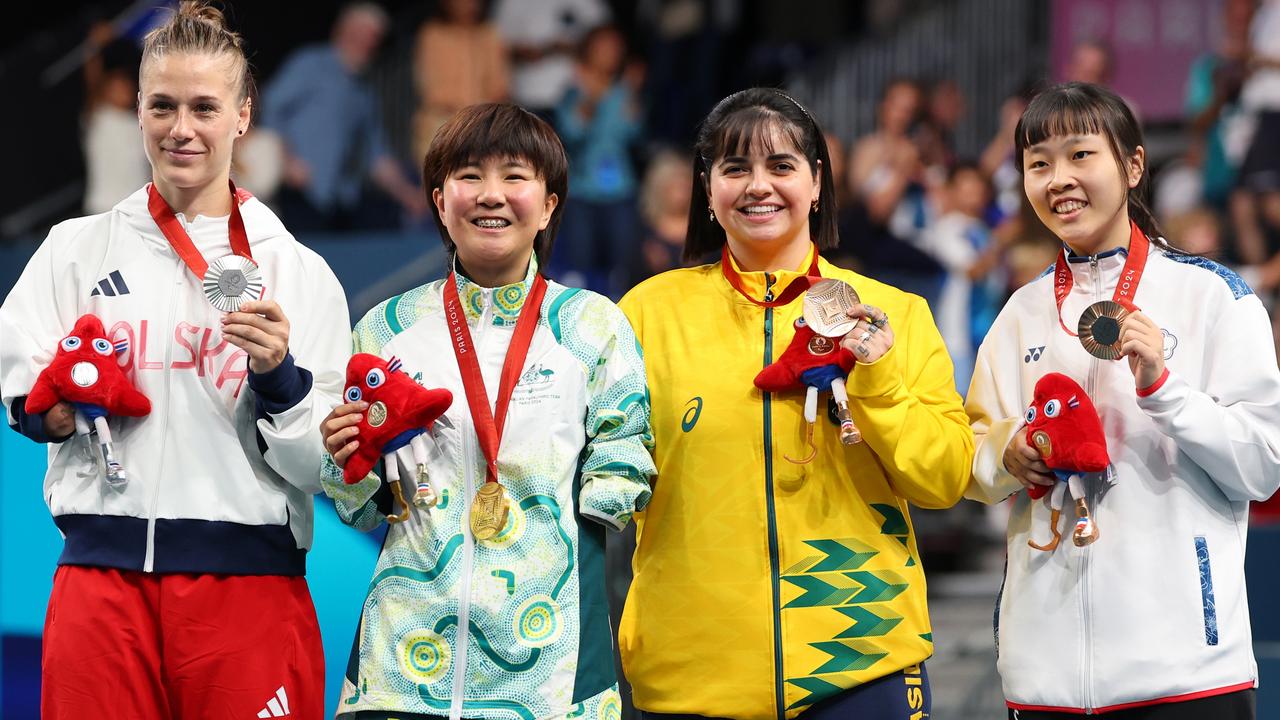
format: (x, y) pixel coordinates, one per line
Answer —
(320, 341)
(1231, 428)
(994, 405)
(36, 314)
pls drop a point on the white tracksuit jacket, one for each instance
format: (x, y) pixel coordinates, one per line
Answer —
(220, 474)
(1156, 608)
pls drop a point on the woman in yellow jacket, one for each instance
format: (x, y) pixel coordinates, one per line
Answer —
(766, 588)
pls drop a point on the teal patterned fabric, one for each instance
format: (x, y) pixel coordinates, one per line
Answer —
(579, 430)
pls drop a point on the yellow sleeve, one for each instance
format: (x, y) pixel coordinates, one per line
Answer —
(910, 414)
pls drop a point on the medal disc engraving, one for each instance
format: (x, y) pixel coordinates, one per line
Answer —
(377, 414)
(819, 345)
(84, 374)
(826, 305)
(1099, 329)
(488, 511)
(232, 280)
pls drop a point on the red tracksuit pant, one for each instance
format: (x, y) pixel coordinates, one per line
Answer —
(125, 644)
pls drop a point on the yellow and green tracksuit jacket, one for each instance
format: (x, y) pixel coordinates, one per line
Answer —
(762, 586)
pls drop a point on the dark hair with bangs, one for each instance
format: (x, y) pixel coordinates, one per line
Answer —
(737, 124)
(498, 130)
(1077, 108)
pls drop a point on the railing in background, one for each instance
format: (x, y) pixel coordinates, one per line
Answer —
(990, 48)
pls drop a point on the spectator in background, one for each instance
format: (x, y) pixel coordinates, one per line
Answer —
(664, 214)
(543, 36)
(886, 174)
(333, 136)
(598, 118)
(459, 60)
(257, 163)
(996, 160)
(960, 240)
(1259, 197)
(115, 165)
(1090, 63)
(1212, 103)
(935, 137)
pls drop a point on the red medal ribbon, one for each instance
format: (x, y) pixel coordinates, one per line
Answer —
(489, 430)
(792, 291)
(1130, 276)
(181, 242)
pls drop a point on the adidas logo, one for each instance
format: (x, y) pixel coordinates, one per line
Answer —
(277, 706)
(111, 285)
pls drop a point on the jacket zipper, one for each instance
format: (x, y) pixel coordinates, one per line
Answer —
(148, 561)
(774, 580)
(1086, 621)
(463, 634)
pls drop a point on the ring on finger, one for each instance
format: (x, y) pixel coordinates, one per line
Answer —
(865, 336)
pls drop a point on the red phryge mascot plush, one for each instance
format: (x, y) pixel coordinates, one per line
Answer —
(814, 362)
(84, 373)
(400, 412)
(1063, 426)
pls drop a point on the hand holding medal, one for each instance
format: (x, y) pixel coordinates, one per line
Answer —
(261, 329)
(870, 336)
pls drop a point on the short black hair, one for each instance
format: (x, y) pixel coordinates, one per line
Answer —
(498, 130)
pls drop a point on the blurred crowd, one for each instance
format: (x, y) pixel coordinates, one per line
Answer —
(914, 211)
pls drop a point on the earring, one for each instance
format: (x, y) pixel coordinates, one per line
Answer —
(814, 206)
(711, 213)
(240, 132)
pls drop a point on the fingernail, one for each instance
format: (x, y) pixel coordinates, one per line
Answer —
(359, 417)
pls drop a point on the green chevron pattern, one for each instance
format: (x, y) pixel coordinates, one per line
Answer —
(848, 655)
(842, 554)
(817, 688)
(849, 588)
(868, 622)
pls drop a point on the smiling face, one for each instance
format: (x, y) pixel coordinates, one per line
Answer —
(191, 110)
(493, 210)
(762, 197)
(1080, 191)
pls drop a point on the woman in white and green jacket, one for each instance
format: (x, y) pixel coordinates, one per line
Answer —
(516, 624)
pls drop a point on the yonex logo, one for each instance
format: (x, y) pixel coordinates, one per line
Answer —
(1033, 354)
(277, 706)
(111, 285)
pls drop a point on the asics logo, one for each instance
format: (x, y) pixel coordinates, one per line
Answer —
(692, 411)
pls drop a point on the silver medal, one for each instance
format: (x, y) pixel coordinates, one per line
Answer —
(232, 280)
(826, 307)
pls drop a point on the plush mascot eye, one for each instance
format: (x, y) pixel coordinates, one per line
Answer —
(375, 378)
(101, 346)
(1030, 415)
(354, 394)
(1052, 408)
(70, 343)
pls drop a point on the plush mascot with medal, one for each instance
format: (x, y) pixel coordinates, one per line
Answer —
(400, 412)
(1064, 427)
(85, 374)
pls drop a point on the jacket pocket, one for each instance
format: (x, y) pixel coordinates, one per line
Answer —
(1206, 592)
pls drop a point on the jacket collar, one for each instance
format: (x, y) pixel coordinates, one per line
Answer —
(505, 301)
(756, 283)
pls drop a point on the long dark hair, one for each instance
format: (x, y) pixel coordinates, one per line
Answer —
(1077, 108)
(734, 125)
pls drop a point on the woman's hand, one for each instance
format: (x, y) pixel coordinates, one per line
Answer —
(871, 337)
(339, 431)
(260, 329)
(1142, 341)
(60, 420)
(1024, 462)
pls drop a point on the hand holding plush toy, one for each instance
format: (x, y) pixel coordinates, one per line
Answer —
(85, 374)
(400, 412)
(813, 362)
(1063, 426)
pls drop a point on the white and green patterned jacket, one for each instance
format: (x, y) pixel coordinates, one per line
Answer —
(516, 627)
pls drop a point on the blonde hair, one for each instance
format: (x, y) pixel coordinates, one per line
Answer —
(196, 27)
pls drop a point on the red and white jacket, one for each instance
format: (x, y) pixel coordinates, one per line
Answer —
(1155, 610)
(222, 471)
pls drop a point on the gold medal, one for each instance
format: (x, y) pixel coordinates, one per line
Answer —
(826, 305)
(377, 414)
(488, 511)
(1099, 329)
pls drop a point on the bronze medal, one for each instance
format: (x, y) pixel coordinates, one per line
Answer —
(489, 511)
(819, 345)
(1099, 329)
(826, 305)
(1040, 439)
